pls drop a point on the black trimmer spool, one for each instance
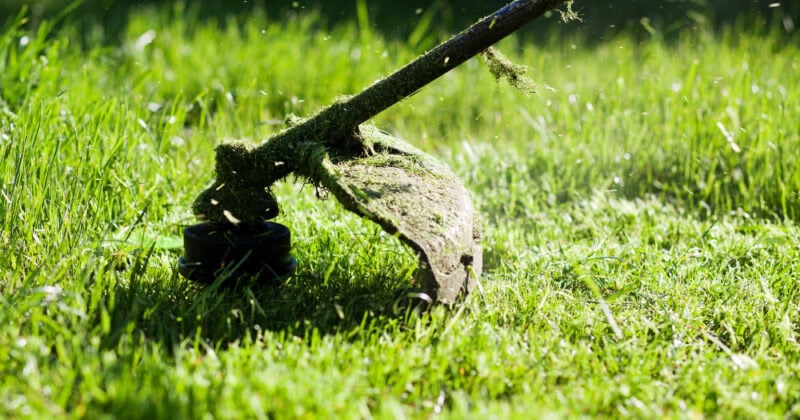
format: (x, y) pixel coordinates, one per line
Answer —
(261, 253)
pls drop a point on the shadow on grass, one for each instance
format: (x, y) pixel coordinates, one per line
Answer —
(178, 310)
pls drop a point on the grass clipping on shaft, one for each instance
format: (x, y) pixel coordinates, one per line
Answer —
(516, 74)
(502, 68)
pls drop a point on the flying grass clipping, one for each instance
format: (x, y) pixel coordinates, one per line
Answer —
(502, 68)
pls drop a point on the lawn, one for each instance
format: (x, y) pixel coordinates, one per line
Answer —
(639, 217)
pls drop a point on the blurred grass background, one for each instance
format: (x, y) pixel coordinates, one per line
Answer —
(401, 19)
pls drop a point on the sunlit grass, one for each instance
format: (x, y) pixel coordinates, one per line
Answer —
(639, 220)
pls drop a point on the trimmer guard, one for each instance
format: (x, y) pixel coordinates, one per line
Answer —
(419, 199)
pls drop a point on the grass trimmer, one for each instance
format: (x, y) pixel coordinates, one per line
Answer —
(405, 191)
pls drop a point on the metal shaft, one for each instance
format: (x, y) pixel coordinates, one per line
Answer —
(438, 61)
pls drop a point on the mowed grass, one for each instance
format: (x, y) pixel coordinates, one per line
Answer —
(639, 217)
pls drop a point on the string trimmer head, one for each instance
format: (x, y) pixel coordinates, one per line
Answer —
(405, 191)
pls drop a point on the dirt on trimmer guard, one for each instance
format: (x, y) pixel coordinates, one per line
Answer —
(411, 194)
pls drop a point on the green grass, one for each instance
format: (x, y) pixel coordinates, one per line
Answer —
(637, 262)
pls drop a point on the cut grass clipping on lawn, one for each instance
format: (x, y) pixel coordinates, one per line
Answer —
(641, 246)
